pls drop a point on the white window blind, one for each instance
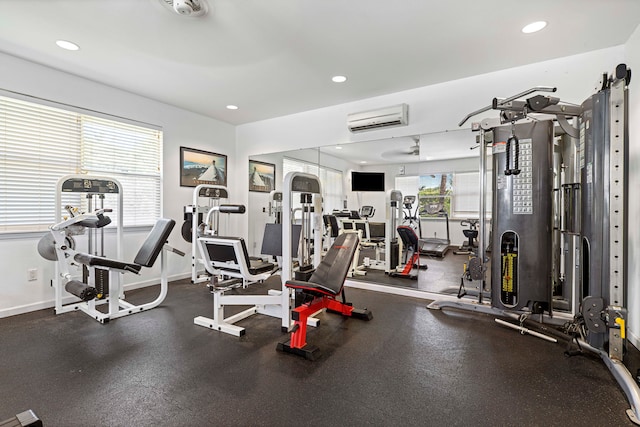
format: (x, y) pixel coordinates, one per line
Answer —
(39, 144)
(466, 194)
(408, 185)
(130, 154)
(331, 181)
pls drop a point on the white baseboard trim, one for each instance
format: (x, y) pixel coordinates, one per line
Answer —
(42, 305)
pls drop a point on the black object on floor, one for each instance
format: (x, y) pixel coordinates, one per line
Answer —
(409, 366)
(23, 419)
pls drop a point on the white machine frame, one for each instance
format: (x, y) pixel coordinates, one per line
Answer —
(276, 303)
(201, 191)
(394, 215)
(62, 277)
(117, 305)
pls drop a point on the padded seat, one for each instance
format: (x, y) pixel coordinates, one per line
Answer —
(259, 266)
(97, 261)
(145, 257)
(229, 256)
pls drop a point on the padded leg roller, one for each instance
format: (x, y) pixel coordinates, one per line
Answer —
(81, 290)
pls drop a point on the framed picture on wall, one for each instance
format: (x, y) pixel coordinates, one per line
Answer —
(202, 167)
(262, 176)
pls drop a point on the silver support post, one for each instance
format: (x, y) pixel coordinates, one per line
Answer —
(483, 209)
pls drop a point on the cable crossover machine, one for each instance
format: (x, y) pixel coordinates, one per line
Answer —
(559, 220)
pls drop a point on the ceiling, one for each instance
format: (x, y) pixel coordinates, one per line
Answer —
(276, 57)
(435, 146)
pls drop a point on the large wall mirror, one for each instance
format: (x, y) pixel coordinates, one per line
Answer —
(440, 170)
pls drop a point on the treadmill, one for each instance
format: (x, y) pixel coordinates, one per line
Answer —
(434, 246)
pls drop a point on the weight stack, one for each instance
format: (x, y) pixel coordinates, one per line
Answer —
(522, 218)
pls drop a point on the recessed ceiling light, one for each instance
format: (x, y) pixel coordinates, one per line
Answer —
(338, 147)
(363, 161)
(533, 27)
(67, 45)
(232, 107)
(339, 79)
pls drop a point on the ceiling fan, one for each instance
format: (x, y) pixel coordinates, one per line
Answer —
(415, 149)
(410, 153)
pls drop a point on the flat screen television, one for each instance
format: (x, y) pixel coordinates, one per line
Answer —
(367, 181)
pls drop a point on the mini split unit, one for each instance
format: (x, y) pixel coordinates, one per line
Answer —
(397, 115)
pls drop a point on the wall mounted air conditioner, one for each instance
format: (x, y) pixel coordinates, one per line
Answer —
(397, 115)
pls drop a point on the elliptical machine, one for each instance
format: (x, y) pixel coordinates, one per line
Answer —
(471, 233)
(411, 217)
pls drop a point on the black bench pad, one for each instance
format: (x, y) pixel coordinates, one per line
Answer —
(330, 275)
(96, 261)
(259, 266)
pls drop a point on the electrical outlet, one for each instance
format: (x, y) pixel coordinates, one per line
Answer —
(32, 274)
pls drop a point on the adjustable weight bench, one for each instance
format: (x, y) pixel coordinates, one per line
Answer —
(320, 292)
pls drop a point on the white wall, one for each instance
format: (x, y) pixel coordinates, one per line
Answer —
(181, 128)
(632, 53)
(257, 207)
(432, 108)
(433, 227)
(440, 107)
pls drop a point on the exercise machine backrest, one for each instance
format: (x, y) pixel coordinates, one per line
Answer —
(408, 236)
(230, 254)
(334, 267)
(156, 239)
(331, 222)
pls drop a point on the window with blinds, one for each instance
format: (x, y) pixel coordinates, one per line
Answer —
(39, 144)
(331, 179)
(465, 202)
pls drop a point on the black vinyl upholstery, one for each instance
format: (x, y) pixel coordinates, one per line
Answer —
(146, 256)
(156, 239)
(331, 222)
(98, 261)
(329, 276)
(226, 253)
(408, 236)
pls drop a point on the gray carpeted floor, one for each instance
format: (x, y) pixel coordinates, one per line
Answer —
(407, 366)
